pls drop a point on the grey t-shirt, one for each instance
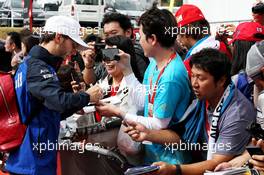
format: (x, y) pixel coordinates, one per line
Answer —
(232, 135)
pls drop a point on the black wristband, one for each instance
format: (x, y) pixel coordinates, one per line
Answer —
(178, 169)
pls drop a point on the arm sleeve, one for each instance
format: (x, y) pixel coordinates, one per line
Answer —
(137, 91)
(149, 122)
(45, 87)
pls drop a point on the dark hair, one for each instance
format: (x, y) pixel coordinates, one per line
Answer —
(15, 38)
(49, 36)
(30, 41)
(240, 51)
(214, 62)
(25, 32)
(65, 74)
(156, 21)
(196, 30)
(5, 58)
(125, 44)
(123, 20)
(258, 8)
(92, 37)
(122, 43)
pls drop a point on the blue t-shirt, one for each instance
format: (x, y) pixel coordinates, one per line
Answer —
(171, 100)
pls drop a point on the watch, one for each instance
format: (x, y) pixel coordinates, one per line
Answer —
(178, 169)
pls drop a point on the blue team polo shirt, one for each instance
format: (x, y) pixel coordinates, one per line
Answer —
(171, 100)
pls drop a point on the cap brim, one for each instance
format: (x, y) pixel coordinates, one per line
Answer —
(81, 44)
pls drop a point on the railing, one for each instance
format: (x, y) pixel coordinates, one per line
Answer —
(6, 12)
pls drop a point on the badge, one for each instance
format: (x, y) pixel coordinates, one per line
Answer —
(150, 110)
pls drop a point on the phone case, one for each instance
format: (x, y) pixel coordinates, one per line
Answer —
(254, 150)
(141, 170)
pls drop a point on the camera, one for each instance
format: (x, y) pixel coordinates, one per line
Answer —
(99, 46)
(258, 8)
(222, 31)
(110, 54)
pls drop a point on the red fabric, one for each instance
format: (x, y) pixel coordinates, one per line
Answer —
(187, 14)
(11, 128)
(246, 31)
(1, 173)
(68, 58)
(188, 67)
(113, 92)
(58, 163)
(223, 49)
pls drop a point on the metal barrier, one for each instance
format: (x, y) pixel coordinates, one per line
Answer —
(6, 12)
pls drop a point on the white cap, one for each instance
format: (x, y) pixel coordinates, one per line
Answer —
(66, 26)
(255, 59)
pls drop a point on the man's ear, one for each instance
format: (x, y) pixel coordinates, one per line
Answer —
(128, 33)
(222, 81)
(13, 46)
(152, 39)
(58, 38)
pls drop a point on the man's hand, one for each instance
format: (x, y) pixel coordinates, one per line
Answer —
(108, 110)
(258, 160)
(136, 131)
(165, 169)
(76, 87)
(89, 55)
(124, 63)
(96, 93)
(223, 166)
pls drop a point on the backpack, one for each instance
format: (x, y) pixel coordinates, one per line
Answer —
(244, 84)
(11, 128)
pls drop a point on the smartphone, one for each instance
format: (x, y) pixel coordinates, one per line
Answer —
(110, 54)
(254, 150)
(141, 170)
(75, 77)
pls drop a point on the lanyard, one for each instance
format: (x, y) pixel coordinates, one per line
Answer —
(151, 97)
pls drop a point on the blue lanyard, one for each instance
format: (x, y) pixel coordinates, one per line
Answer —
(195, 45)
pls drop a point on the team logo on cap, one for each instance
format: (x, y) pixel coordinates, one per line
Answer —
(259, 29)
(179, 18)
